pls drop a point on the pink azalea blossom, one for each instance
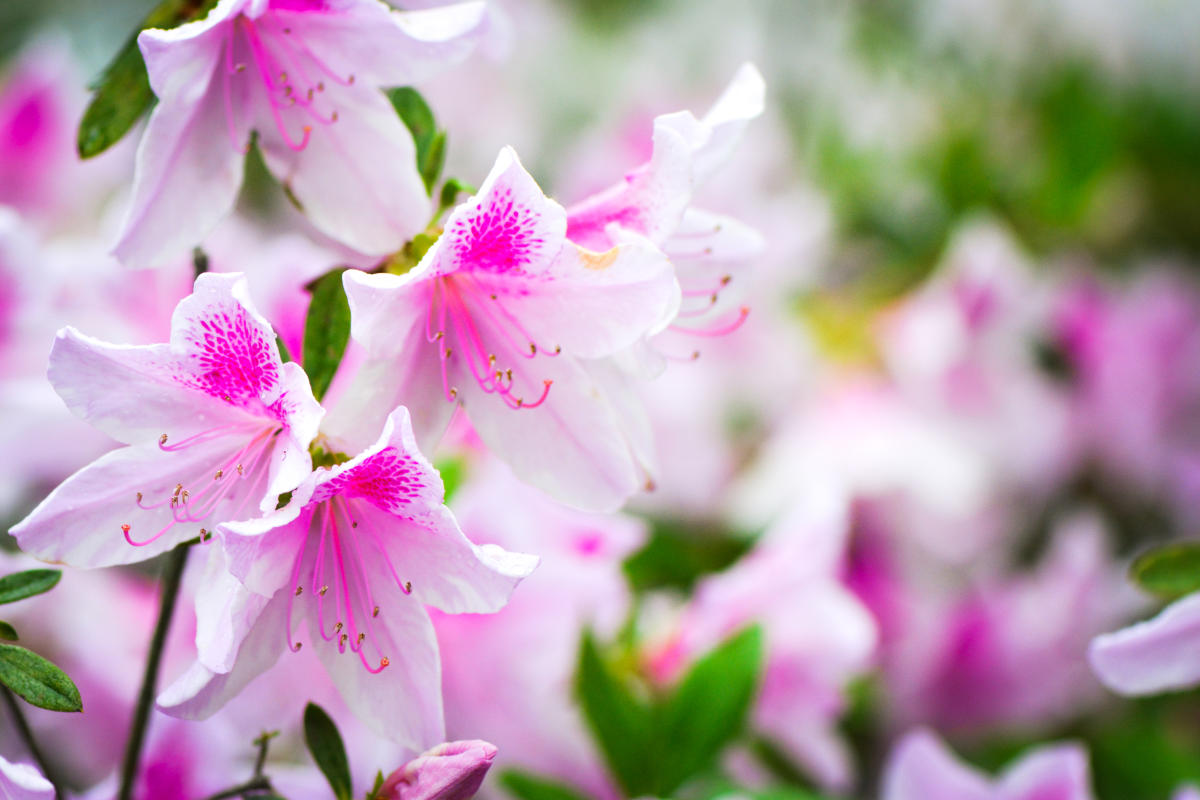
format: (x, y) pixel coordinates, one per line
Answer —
(216, 426)
(358, 552)
(655, 201)
(450, 771)
(304, 75)
(498, 318)
(1158, 655)
(921, 768)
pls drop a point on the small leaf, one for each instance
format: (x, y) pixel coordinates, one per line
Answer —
(37, 680)
(448, 197)
(325, 744)
(122, 92)
(708, 708)
(621, 723)
(32, 582)
(430, 143)
(527, 786)
(326, 330)
(7, 632)
(284, 355)
(1171, 571)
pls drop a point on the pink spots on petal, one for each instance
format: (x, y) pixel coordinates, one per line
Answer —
(231, 358)
(391, 480)
(499, 238)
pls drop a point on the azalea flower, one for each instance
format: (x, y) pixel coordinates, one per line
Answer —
(655, 201)
(216, 427)
(304, 75)
(921, 768)
(450, 771)
(358, 553)
(497, 318)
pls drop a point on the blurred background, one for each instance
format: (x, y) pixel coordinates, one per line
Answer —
(966, 396)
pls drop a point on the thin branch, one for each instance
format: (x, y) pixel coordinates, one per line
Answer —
(27, 737)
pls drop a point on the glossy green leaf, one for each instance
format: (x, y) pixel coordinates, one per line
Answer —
(622, 724)
(122, 93)
(325, 744)
(429, 141)
(708, 708)
(37, 680)
(326, 331)
(7, 632)
(1170, 571)
(527, 786)
(32, 582)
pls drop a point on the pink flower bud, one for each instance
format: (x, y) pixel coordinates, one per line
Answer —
(450, 771)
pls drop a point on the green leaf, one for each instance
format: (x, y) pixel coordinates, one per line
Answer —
(122, 93)
(37, 680)
(430, 142)
(326, 330)
(7, 632)
(20, 585)
(676, 556)
(448, 197)
(1170, 571)
(284, 355)
(527, 786)
(454, 471)
(708, 708)
(621, 723)
(325, 744)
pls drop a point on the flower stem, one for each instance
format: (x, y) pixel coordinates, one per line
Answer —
(27, 737)
(171, 577)
(255, 784)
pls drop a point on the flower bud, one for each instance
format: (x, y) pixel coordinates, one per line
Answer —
(450, 771)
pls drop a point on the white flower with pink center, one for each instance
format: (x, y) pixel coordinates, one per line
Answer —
(358, 553)
(217, 427)
(304, 75)
(498, 318)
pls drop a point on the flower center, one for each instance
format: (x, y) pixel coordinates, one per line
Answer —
(229, 480)
(452, 299)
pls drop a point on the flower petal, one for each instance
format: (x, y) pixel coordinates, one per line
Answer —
(225, 614)
(1158, 655)
(23, 782)
(200, 692)
(403, 702)
(384, 47)
(189, 161)
(921, 768)
(356, 178)
(1049, 773)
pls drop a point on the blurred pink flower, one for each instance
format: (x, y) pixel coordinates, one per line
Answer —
(921, 768)
(358, 552)
(818, 635)
(23, 782)
(216, 424)
(578, 584)
(450, 771)
(305, 77)
(496, 318)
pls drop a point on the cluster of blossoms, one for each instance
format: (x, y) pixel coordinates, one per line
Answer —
(455, 470)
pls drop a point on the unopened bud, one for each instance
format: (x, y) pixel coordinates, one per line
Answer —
(450, 771)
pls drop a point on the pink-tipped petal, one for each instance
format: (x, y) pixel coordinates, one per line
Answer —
(1158, 655)
(921, 768)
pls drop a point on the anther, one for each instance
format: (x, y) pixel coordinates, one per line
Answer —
(350, 80)
(125, 528)
(725, 279)
(162, 440)
(532, 348)
(217, 477)
(299, 590)
(342, 640)
(408, 587)
(310, 95)
(337, 628)
(557, 349)
(361, 636)
(240, 68)
(383, 662)
(493, 297)
(204, 534)
(453, 393)
(448, 352)
(320, 86)
(323, 590)
(708, 251)
(353, 523)
(241, 470)
(283, 77)
(375, 611)
(139, 497)
(296, 647)
(333, 117)
(287, 30)
(437, 336)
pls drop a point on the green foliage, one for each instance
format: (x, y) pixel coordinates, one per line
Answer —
(527, 786)
(1171, 571)
(21, 585)
(122, 94)
(37, 680)
(430, 142)
(654, 745)
(326, 330)
(325, 744)
(8, 632)
(454, 473)
(677, 555)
